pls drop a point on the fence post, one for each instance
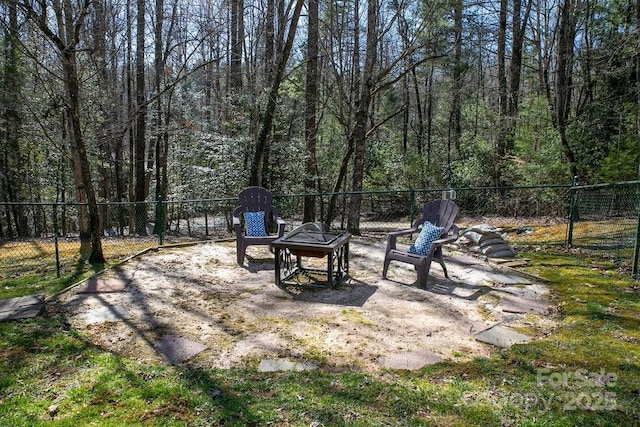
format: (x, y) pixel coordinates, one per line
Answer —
(636, 248)
(55, 238)
(572, 209)
(160, 219)
(412, 208)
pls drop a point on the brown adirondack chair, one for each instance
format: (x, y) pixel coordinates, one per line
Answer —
(440, 213)
(251, 220)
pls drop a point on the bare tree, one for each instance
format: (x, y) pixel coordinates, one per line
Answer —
(564, 73)
(283, 58)
(311, 101)
(502, 92)
(69, 22)
(237, 41)
(346, 87)
(362, 115)
(140, 140)
(455, 126)
(509, 87)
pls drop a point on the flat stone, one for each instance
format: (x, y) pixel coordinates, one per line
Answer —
(267, 365)
(512, 263)
(95, 285)
(21, 307)
(111, 313)
(507, 279)
(175, 349)
(513, 304)
(464, 261)
(410, 360)
(501, 336)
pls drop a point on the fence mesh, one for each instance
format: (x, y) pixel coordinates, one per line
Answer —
(605, 218)
(45, 239)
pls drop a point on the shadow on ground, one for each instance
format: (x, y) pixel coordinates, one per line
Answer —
(196, 306)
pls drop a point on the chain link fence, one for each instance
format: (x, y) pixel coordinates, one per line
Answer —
(45, 238)
(606, 218)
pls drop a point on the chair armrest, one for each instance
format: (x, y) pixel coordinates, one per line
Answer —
(449, 237)
(455, 231)
(236, 224)
(281, 225)
(393, 236)
(237, 230)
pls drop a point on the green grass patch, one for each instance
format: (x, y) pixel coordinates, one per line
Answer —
(356, 316)
(28, 268)
(584, 372)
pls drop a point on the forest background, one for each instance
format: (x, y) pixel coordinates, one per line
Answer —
(131, 101)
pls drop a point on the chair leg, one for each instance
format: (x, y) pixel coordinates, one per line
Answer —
(444, 268)
(385, 268)
(423, 275)
(438, 256)
(240, 252)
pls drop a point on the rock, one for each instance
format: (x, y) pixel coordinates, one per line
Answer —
(524, 230)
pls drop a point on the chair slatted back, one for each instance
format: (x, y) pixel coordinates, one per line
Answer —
(442, 213)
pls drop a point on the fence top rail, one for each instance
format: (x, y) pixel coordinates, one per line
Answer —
(320, 194)
(226, 199)
(429, 190)
(605, 185)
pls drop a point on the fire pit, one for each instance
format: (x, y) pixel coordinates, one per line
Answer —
(310, 240)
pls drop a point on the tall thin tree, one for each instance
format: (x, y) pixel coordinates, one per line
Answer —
(564, 73)
(270, 110)
(12, 156)
(141, 124)
(70, 23)
(311, 102)
(362, 116)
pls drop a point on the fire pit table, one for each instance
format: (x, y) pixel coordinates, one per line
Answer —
(311, 241)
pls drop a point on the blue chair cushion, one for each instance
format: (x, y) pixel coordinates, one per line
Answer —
(254, 224)
(427, 236)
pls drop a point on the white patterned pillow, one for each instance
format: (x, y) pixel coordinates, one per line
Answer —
(427, 236)
(254, 224)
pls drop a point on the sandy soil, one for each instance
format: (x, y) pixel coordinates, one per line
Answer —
(200, 293)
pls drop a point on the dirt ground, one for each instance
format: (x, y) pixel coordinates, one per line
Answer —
(240, 316)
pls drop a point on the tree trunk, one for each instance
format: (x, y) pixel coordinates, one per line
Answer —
(519, 26)
(455, 127)
(69, 65)
(502, 94)
(269, 40)
(141, 123)
(12, 169)
(106, 136)
(510, 94)
(131, 112)
(342, 174)
(261, 143)
(161, 132)
(637, 71)
(420, 124)
(361, 118)
(543, 55)
(66, 42)
(311, 98)
(405, 114)
(429, 111)
(237, 41)
(566, 39)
